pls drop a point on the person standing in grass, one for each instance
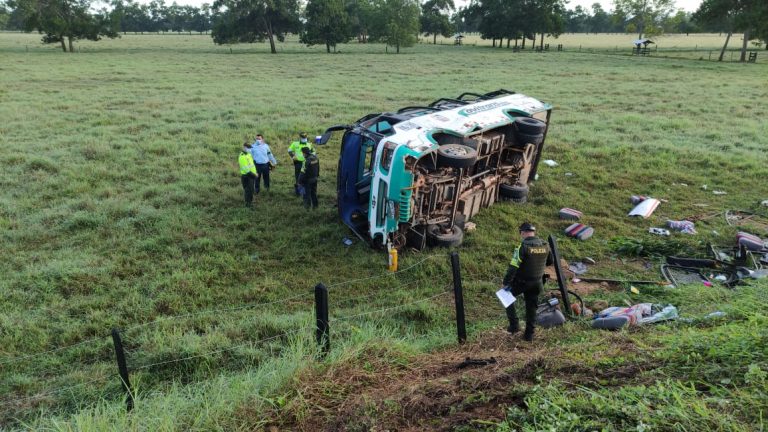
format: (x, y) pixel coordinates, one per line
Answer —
(264, 161)
(295, 151)
(308, 177)
(524, 277)
(248, 174)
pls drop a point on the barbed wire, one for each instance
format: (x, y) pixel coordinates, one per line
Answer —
(230, 348)
(369, 296)
(348, 317)
(209, 311)
(51, 392)
(30, 356)
(351, 281)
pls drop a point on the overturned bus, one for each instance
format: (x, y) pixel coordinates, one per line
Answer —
(414, 177)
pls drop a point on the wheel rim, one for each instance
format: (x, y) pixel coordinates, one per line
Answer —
(455, 151)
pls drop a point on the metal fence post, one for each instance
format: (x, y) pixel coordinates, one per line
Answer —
(458, 296)
(559, 273)
(122, 368)
(322, 333)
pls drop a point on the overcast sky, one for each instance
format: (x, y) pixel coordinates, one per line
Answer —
(688, 5)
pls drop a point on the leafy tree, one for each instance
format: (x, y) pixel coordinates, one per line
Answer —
(577, 20)
(600, 21)
(254, 21)
(397, 22)
(361, 18)
(327, 23)
(749, 16)
(645, 16)
(435, 18)
(65, 21)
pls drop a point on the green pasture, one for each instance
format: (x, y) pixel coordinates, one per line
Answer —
(121, 207)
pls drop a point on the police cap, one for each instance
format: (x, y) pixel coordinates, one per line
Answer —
(527, 226)
(303, 135)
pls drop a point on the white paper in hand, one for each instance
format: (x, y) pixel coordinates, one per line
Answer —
(505, 297)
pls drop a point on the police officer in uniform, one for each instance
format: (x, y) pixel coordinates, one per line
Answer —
(295, 151)
(524, 277)
(308, 178)
(248, 173)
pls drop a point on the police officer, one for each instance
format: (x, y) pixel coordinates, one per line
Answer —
(308, 177)
(264, 160)
(524, 276)
(295, 151)
(248, 176)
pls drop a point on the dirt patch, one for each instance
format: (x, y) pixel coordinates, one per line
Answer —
(373, 393)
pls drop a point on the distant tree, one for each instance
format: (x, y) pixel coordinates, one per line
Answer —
(466, 20)
(577, 20)
(599, 21)
(327, 23)
(680, 22)
(254, 21)
(645, 16)
(200, 19)
(397, 22)
(5, 16)
(66, 21)
(435, 18)
(361, 18)
(748, 16)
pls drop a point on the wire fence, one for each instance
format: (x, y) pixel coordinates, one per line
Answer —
(395, 281)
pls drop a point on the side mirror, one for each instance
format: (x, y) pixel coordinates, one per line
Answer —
(325, 137)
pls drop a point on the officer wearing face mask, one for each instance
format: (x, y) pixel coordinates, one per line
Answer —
(294, 150)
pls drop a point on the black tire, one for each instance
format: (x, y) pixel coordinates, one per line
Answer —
(523, 139)
(440, 239)
(529, 125)
(456, 156)
(516, 193)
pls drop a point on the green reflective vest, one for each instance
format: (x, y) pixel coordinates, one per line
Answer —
(296, 147)
(246, 163)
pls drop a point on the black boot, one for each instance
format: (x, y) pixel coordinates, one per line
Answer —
(514, 325)
(528, 335)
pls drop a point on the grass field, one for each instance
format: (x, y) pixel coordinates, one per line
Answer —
(120, 206)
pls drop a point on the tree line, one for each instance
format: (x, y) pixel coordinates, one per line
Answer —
(394, 22)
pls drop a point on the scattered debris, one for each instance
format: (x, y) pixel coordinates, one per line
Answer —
(764, 203)
(637, 282)
(750, 241)
(568, 174)
(717, 192)
(659, 231)
(347, 241)
(588, 260)
(579, 231)
(684, 226)
(577, 268)
(645, 208)
(570, 214)
(716, 314)
(548, 315)
(715, 233)
(637, 199)
(634, 290)
(704, 187)
(476, 362)
(759, 274)
(550, 163)
(747, 220)
(469, 226)
(680, 184)
(614, 318)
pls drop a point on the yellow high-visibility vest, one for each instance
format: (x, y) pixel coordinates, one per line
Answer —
(246, 163)
(296, 147)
